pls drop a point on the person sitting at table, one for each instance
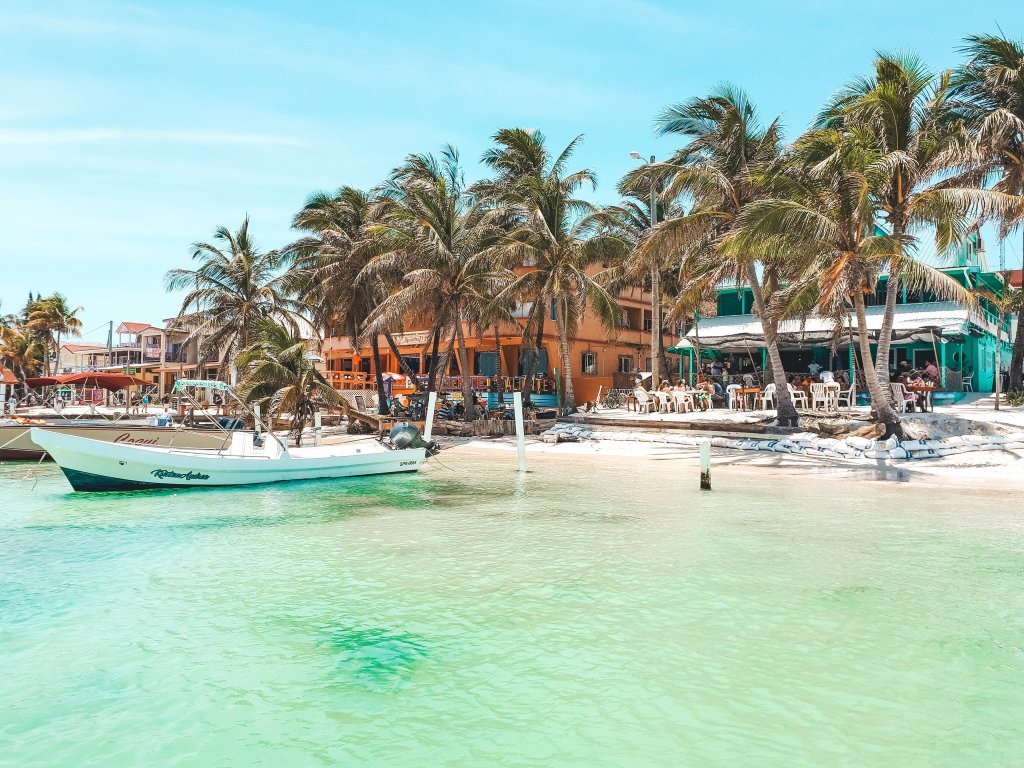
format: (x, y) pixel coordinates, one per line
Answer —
(826, 377)
(930, 371)
(917, 399)
(901, 372)
(705, 391)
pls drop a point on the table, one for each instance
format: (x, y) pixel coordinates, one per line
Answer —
(744, 393)
(928, 392)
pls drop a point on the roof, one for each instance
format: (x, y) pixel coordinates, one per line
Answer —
(7, 376)
(84, 347)
(1015, 278)
(134, 327)
(912, 322)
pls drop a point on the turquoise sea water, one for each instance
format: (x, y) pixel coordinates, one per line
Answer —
(604, 615)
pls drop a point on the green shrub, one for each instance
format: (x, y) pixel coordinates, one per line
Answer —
(1015, 397)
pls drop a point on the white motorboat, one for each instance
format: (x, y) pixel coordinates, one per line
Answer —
(247, 459)
(93, 465)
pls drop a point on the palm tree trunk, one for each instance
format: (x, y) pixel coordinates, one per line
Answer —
(999, 357)
(469, 402)
(1017, 359)
(498, 367)
(382, 395)
(568, 396)
(432, 366)
(880, 404)
(892, 292)
(531, 367)
(786, 414)
(402, 364)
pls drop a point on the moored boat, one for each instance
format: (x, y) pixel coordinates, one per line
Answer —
(93, 465)
(16, 442)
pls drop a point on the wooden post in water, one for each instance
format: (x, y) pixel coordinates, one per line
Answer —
(429, 426)
(705, 465)
(517, 406)
(318, 438)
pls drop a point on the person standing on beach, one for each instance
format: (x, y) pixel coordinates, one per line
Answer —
(145, 403)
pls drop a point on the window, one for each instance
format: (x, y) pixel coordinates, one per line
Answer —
(625, 363)
(648, 323)
(554, 310)
(589, 361)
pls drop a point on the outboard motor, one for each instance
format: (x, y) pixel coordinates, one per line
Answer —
(406, 435)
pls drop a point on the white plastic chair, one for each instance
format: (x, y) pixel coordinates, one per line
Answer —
(901, 398)
(850, 396)
(824, 396)
(732, 399)
(968, 383)
(684, 401)
(664, 401)
(644, 401)
(768, 396)
(799, 398)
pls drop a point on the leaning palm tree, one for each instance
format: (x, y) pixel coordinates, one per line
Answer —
(819, 212)
(447, 242)
(717, 170)
(48, 319)
(234, 286)
(554, 240)
(924, 177)
(988, 90)
(277, 372)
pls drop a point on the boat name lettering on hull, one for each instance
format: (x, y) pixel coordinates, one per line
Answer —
(163, 474)
(127, 438)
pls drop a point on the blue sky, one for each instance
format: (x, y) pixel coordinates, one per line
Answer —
(130, 130)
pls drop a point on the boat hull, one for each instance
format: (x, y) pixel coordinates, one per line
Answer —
(16, 442)
(91, 465)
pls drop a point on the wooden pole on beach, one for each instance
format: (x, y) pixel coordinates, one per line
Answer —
(428, 428)
(705, 465)
(318, 438)
(517, 406)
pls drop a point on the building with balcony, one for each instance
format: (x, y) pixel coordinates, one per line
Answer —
(600, 357)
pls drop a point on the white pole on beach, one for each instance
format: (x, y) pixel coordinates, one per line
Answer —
(256, 417)
(705, 465)
(429, 426)
(318, 420)
(517, 406)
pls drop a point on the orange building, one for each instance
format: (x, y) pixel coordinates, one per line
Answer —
(596, 354)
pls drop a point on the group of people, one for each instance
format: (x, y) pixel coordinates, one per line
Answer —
(909, 377)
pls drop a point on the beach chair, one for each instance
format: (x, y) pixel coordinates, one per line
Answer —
(767, 397)
(799, 398)
(732, 398)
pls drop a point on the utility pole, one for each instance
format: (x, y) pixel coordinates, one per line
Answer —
(655, 286)
(110, 344)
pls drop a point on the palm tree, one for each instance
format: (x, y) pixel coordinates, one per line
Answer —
(820, 214)
(20, 352)
(48, 319)
(553, 240)
(924, 173)
(718, 169)
(234, 286)
(327, 264)
(989, 93)
(277, 371)
(446, 241)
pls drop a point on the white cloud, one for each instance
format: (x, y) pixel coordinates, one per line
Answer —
(95, 135)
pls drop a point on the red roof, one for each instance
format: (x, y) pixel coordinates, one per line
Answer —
(1015, 277)
(132, 327)
(83, 347)
(7, 376)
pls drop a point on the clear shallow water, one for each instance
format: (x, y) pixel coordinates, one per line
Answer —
(587, 616)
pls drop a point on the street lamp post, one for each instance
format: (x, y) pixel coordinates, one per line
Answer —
(655, 287)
